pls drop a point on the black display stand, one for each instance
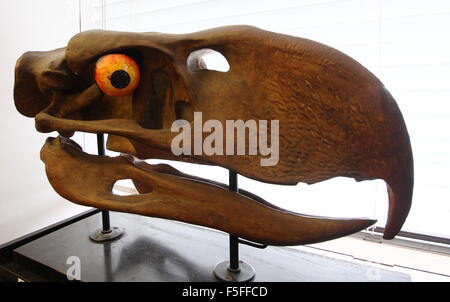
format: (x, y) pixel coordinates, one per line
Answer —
(155, 249)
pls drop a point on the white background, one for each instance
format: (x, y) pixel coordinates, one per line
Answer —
(27, 201)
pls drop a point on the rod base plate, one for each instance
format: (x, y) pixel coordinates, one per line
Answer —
(245, 273)
(102, 236)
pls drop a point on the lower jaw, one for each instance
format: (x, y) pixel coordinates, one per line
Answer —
(88, 180)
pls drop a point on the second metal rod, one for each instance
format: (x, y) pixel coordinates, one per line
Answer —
(105, 213)
(234, 240)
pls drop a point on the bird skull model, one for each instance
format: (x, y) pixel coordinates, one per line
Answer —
(322, 113)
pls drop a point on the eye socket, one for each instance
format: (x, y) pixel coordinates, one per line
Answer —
(117, 74)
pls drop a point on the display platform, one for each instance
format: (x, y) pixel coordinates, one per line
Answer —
(154, 249)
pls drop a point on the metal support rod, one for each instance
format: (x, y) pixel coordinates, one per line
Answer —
(234, 240)
(106, 233)
(252, 244)
(100, 144)
(105, 221)
(105, 213)
(232, 180)
(234, 269)
(234, 253)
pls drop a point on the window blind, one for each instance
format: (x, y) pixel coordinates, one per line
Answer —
(406, 43)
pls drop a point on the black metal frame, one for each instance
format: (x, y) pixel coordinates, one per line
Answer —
(7, 248)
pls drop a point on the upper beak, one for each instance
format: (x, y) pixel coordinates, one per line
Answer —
(37, 76)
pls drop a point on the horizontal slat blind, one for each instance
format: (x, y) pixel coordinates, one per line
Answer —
(406, 43)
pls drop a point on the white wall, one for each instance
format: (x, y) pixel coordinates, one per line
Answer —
(27, 201)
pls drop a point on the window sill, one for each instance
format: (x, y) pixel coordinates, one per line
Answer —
(421, 265)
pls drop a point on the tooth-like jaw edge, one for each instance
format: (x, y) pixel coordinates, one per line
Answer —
(88, 180)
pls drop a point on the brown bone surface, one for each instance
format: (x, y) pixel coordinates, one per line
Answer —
(335, 119)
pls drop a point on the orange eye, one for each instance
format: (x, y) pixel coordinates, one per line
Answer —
(117, 74)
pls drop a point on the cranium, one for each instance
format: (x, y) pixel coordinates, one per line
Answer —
(335, 119)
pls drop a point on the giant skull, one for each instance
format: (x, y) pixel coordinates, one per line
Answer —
(335, 119)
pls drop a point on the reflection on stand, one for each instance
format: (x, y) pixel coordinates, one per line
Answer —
(147, 257)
